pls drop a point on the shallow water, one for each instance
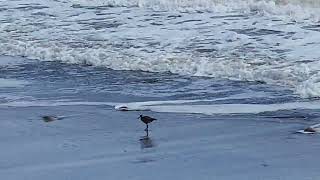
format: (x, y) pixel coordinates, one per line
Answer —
(218, 58)
(49, 84)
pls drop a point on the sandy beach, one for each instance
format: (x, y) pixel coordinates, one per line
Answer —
(98, 142)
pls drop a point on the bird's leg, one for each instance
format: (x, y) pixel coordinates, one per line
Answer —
(147, 131)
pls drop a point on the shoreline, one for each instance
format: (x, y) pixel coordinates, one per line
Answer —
(104, 143)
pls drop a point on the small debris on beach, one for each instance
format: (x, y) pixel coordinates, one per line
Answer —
(49, 118)
(122, 108)
(311, 129)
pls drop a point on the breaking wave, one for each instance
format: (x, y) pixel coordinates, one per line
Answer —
(225, 40)
(295, 9)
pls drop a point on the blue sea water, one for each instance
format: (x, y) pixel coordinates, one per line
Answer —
(188, 54)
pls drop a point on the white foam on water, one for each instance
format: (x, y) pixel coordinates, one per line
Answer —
(295, 9)
(140, 106)
(216, 108)
(315, 126)
(177, 106)
(301, 77)
(9, 83)
(9, 61)
(43, 103)
(14, 98)
(285, 53)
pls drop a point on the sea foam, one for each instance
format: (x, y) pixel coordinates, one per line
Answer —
(264, 43)
(9, 83)
(179, 107)
(295, 9)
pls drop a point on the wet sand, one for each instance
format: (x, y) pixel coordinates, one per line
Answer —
(98, 142)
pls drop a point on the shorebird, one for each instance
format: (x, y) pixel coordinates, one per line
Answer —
(146, 120)
(310, 130)
(49, 118)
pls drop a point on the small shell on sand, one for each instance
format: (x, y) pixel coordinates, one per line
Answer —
(122, 108)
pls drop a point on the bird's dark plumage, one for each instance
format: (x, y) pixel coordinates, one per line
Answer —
(49, 118)
(310, 129)
(146, 119)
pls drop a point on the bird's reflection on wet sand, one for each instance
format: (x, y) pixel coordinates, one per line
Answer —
(146, 142)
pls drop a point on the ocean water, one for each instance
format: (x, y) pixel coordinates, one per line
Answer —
(186, 56)
(230, 82)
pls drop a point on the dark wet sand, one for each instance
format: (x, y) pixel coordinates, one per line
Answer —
(97, 142)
